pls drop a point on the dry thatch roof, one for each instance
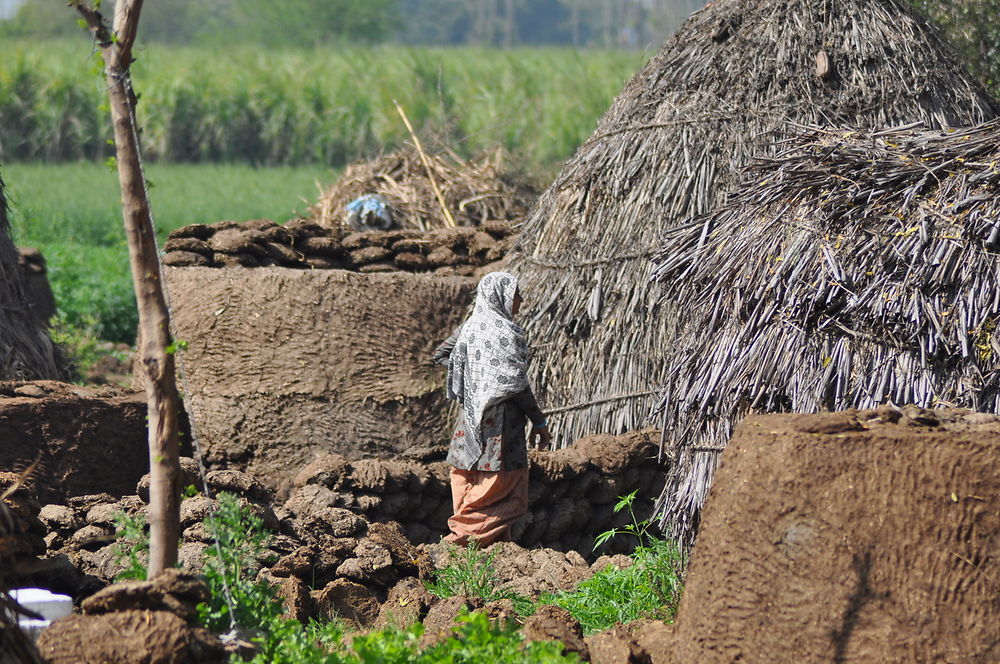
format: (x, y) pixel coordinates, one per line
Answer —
(853, 269)
(26, 351)
(474, 192)
(672, 145)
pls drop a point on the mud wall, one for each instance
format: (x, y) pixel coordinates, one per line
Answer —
(283, 364)
(86, 441)
(869, 536)
(571, 491)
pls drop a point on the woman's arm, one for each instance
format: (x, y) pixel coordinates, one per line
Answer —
(525, 400)
(443, 352)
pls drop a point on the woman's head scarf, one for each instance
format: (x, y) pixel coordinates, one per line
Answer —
(490, 359)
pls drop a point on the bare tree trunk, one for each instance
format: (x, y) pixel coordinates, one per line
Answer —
(156, 363)
(509, 24)
(606, 19)
(492, 34)
(574, 21)
(478, 22)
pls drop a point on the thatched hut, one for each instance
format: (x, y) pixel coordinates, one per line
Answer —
(26, 351)
(672, 145)
(853, 269)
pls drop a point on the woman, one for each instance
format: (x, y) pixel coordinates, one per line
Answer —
(487, 360)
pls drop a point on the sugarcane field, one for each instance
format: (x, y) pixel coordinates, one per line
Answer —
(480, 332)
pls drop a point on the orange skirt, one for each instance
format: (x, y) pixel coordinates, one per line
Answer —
(486, 504)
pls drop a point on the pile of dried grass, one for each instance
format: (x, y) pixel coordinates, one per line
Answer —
(717, 95)
(474, 192)
(853, 269)
(26, 352)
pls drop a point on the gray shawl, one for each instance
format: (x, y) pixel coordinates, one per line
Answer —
(490, 360)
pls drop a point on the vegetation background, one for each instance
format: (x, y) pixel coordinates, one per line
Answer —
(249, 106)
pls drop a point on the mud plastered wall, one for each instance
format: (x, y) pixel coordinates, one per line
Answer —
(283, 364)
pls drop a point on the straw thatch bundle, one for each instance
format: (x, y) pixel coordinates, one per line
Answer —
(474, 192)
(672, 145)
(26, 351)
(854, 269)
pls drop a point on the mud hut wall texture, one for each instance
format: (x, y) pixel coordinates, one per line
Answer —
(718, 94)
(853, 269)
(865, 536)
(26, 352)
(282, 364)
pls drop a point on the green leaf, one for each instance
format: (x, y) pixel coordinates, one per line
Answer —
(625, 501)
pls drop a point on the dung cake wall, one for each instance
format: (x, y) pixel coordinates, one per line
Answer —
(282, 364)
(570, 498)
(86, 441)
(859, 536)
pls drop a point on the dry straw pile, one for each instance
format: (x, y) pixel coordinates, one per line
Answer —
(474, 192)
(717, 95)
(26, 351)
(853, 269)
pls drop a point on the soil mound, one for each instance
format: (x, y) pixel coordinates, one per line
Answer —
(847, 537)
(301, 244)
(87, 441)
(282, 365)
(129, 637)
(474, 192)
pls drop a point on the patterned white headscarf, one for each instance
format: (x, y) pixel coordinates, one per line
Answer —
(490, 359)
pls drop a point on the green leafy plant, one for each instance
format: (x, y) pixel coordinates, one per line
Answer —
(132, 546)
(82, 345)
(478, 641)
(650, 588)
(472, 573)
(639, 529)
(231, 567)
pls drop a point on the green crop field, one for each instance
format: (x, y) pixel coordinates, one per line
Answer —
(244, 133)
(72, 213)
(326, 106)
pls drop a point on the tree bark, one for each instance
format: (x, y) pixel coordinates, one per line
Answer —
(156, 363)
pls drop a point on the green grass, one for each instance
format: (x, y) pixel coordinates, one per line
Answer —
(327, 106)
(650, 588)
(72, 213)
